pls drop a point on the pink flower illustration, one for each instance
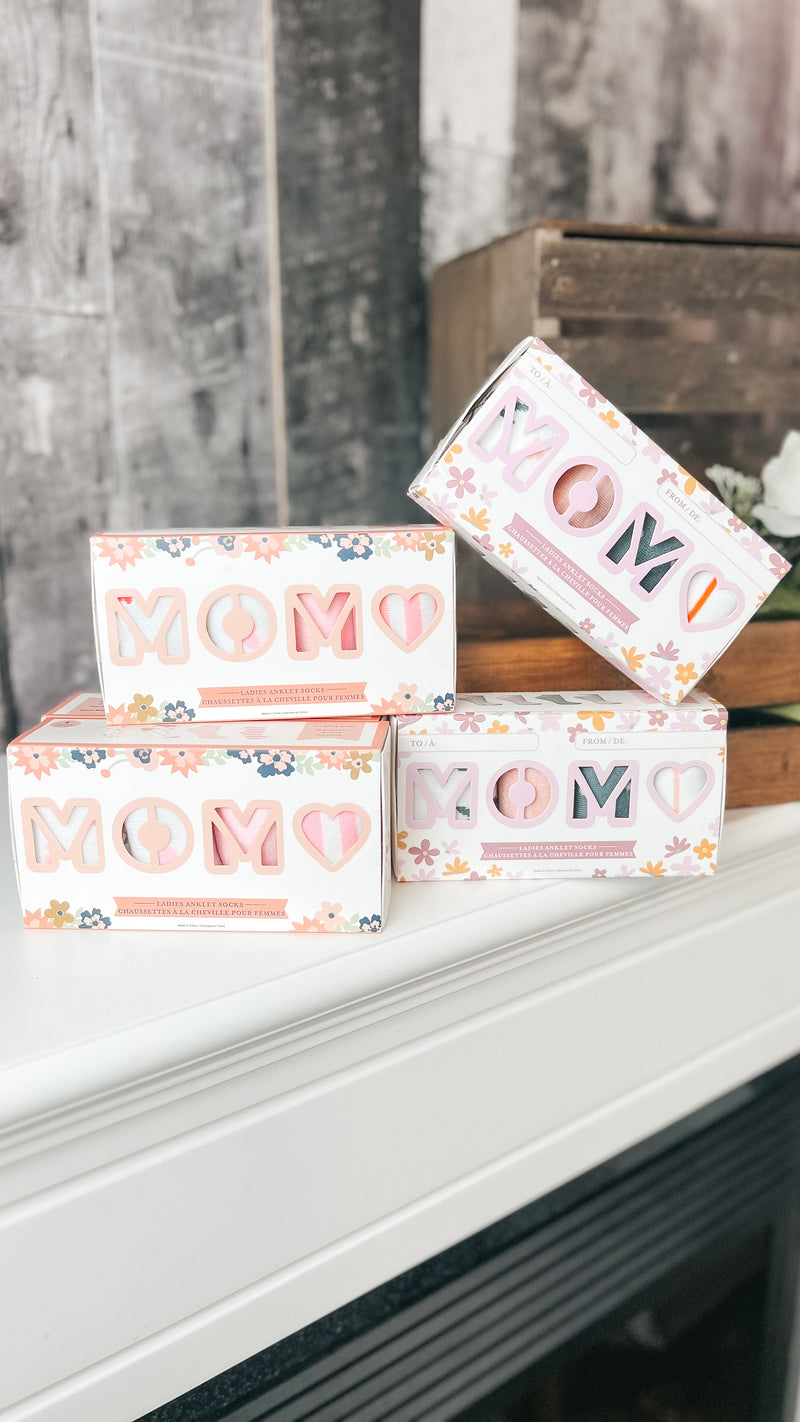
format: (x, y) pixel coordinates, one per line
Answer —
(717, 720)
(667, 476)
(676, 846)
(36, 760)
(121, 552)
(332, 759)
(657, 718)
(469, 721)
(181, 762)
(461, 482)
(668, 653)
(265, 545)
(423, 853)
(588, 393)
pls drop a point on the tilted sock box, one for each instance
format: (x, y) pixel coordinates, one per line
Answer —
(274, 623)
(579, 509)
(279, 825)
(566, 783)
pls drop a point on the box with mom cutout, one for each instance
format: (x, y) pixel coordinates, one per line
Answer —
(558, 490)
(267, 624)
(279, 825)
(565, 783)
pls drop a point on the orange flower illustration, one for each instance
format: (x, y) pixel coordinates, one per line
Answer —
(181, 762)
(122, 552)
(685, 674)
(141, 708)
(633, 659)
(36, 760)
(657, 870)
(478, 518)
(496, 729)
(58, 914)
(610, 419)
(309, 925)
(332, 759)
(505, 549)
(452, 452)
(704, 850)
(458, 866)
(402, 839)
(596, 718)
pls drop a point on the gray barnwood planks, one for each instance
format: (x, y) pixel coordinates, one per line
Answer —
(54, 442)
(184, 150)
(54, 408)
(347, 79)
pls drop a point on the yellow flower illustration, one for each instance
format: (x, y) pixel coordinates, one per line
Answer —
(657, 870)
(58, 915)
(685, 674)
(478, 518)
(610, 419)
(496, 729)
(633, 659)
(596, 718)
(704, 850)
(142, 708)
(458, 866)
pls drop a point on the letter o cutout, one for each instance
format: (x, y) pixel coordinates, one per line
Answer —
(237, 623)
(582, 497)
(523, 794)
(149, 842)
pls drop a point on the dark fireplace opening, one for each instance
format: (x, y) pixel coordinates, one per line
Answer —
(692, 1355)
(658, 1287)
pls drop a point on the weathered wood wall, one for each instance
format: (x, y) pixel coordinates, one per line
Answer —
(134, 285)
(152, 322)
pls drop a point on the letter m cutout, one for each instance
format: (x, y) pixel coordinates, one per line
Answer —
(511, 432)
(594, 791)
(53, 833)
(154, 623)
(232, 836)
(331, 619)
(646, 551)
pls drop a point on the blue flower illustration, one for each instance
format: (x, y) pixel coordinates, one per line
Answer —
(143, 754)
(323, 539)
(444, 703)
(178, 711)
(353, 545)
(227, 541)
(93, 918)
(88, 757)
(275, 762)
(370, 925)
(245, 756)
(176, 547)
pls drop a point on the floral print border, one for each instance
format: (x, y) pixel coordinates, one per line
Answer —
(124, 551)
(268, 761)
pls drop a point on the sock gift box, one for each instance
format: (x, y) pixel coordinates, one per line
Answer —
(258, 826)
(579, 509)
(267, 624)
(574, 783)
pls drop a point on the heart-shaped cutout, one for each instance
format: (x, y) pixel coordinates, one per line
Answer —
(679, 788)
(709, 601)
(407, 616)
(332, 834)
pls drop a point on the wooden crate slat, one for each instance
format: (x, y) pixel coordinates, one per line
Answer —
(678, 377)
(594, 278)
(761, 668)
(763, 766)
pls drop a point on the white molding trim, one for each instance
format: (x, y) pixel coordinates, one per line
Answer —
(223, 1167)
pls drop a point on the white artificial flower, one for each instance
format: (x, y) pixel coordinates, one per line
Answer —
(780, 511)
(733, 485)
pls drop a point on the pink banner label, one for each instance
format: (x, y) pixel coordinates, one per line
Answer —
(570, 573)
(335, 692)
(200, 908)
(561, 849)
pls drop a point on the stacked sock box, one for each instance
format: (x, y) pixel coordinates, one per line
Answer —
(241, 750)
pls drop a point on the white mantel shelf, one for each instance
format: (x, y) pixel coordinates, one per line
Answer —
(207, 1141)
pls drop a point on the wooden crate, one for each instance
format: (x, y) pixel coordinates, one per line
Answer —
(696, 335)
